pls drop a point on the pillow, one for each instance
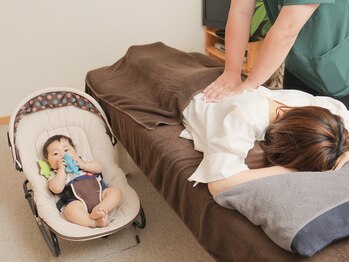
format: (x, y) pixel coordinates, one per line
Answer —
(302, 212)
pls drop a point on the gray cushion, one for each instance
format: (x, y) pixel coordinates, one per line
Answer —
(301, 212)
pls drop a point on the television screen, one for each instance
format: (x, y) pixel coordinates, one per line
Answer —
(215, 13)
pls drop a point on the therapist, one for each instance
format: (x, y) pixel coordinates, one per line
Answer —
(311, 36)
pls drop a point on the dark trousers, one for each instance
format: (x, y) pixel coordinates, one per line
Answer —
(292, 82)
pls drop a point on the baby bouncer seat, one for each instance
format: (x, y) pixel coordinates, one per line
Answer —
(73, 113)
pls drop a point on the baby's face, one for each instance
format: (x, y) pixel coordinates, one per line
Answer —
(56, 151)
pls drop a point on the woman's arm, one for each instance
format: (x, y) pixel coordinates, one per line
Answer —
(341, 160)
(246, 176)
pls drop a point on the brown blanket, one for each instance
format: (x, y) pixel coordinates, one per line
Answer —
(168, 160)
(159, 80)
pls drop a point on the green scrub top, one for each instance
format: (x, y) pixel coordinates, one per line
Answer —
(320, 55)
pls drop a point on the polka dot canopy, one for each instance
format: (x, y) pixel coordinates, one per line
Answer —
(53, 100)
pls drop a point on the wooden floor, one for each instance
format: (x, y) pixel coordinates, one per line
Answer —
(4, 120)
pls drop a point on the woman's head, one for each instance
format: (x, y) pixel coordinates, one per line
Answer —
(308, 138)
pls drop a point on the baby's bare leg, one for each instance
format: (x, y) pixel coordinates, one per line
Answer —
(76, 213)
(111, 198)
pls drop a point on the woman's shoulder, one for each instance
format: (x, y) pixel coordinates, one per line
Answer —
(288, 97)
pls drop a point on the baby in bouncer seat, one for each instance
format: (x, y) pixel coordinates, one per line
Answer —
(86, 198)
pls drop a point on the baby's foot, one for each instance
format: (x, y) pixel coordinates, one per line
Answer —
(102, 221)
(98, 212)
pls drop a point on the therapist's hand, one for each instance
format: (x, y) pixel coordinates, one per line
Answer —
(221, 87)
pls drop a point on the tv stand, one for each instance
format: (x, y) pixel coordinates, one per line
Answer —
(212, 38)
(220, 33)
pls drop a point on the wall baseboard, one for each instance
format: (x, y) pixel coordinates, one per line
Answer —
(4, 120)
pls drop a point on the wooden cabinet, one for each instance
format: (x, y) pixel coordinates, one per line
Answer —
(211, 40)
(250, 56)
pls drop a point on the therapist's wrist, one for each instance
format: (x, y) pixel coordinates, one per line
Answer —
(251, 83)
(233, 73)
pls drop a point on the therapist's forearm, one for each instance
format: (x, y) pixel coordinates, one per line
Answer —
(274, 50)
(279, 41)
(237, 35)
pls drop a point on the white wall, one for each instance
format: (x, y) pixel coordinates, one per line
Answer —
(54, 43)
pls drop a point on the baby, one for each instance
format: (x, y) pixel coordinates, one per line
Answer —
(62, 183)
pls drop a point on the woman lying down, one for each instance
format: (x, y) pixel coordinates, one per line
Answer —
(300, 132)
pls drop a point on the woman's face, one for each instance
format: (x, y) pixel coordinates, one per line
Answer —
(56, 151)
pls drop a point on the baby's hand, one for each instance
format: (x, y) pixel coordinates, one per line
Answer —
(61, 164)
(81, 163)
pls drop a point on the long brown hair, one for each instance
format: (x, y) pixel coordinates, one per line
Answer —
(308, 138)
